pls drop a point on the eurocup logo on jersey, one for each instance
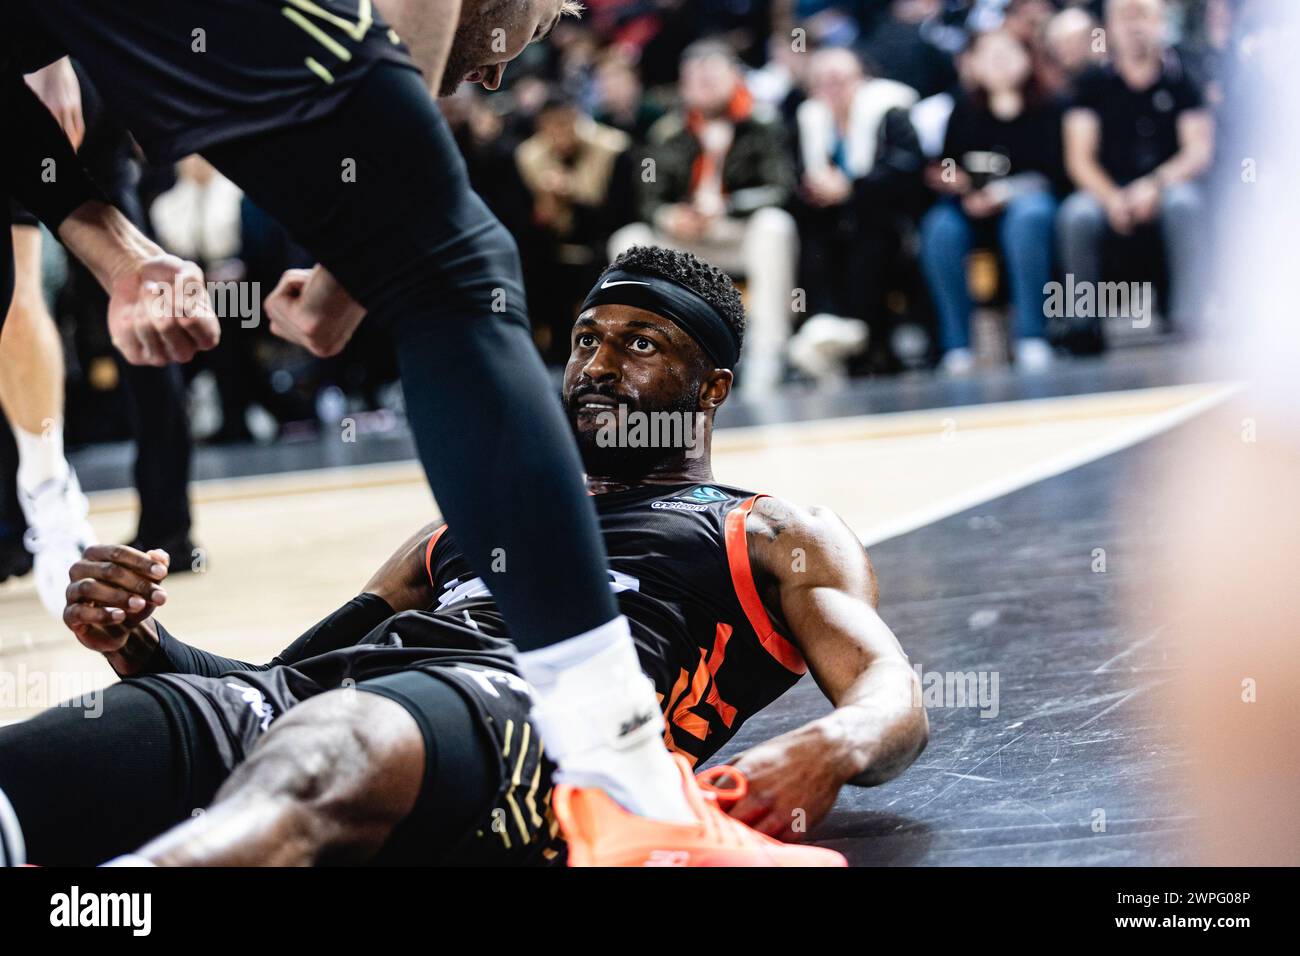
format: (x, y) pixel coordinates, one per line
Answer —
(697, 500)
(186, 296)
(706, 493)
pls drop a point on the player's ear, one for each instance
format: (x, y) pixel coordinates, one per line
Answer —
(716, 387)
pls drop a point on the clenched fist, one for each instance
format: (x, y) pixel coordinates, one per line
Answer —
(159, 312)
(309, 308)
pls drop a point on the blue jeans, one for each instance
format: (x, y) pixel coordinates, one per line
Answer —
(1025, 235)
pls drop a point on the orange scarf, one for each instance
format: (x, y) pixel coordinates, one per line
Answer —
(739, 109)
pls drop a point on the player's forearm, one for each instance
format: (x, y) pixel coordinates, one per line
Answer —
(152, 650)
(427, 28)
(402, 581)
(106, 241)
(878, 729)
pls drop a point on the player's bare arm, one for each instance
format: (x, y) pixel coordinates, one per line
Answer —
(159, 310)
(819, 587)
(56, 86)
(402, 581)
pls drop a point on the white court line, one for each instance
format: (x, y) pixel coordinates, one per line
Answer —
(1048, 468)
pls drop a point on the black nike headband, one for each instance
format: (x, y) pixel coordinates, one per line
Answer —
(687, 310)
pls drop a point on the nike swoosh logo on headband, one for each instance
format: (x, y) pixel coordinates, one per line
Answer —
(608, 284)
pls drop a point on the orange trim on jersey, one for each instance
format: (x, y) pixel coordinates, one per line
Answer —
(742, 579)
(716, 657)
(703, 686)
(682, 717)
(668, 724)
(720, 638)
(428, 554)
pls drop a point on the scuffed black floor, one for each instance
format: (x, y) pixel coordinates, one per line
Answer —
(1009, 588)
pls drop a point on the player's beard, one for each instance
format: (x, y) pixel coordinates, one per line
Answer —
(628, 463)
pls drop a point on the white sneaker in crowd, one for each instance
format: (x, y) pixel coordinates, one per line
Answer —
(957, 362)
(824, 344)
(1034, 355)
(57, 533)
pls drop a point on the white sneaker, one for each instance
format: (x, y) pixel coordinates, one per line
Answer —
(57, 533)
(824, 344)
(1034, 355)
(957, 362)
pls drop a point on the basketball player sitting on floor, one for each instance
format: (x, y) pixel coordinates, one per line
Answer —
(397, 730)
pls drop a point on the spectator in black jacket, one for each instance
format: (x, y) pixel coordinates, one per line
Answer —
(859, 166)
(715, 183)
(1000, 176)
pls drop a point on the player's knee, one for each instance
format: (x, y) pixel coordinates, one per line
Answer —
(481, 280)
(345, 768)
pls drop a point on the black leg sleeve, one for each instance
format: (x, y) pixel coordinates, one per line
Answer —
(379, 193)
(101, 778)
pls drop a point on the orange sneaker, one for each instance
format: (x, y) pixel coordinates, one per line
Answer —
(601, 833)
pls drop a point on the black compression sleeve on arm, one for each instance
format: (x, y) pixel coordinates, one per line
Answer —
(343, 628)
(39, 167)
(174, 656)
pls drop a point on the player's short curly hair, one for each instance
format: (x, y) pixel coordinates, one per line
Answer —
(711, 284)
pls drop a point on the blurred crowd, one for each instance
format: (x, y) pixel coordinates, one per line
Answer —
(895, 185)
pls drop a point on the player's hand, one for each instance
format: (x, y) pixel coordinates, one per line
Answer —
(403, 580)
(791, 785)
(309, 308)
(159, 312)
(113, 590)
(57, 87)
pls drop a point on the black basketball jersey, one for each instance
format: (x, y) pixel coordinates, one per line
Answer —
(186, 74)
(679, 567)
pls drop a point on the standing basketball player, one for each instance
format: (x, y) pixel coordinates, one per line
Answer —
(320, 111)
